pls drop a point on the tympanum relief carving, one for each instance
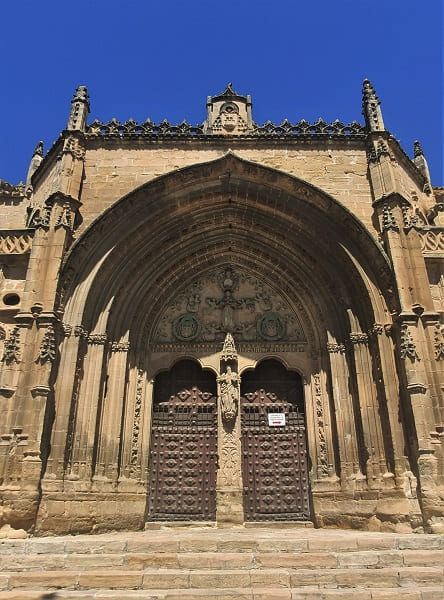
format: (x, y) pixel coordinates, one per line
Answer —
(229, 300)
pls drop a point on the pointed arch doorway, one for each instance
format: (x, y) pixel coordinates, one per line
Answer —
(274, 447)
(183, 449)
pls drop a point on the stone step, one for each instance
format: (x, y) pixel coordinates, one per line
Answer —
(222, 578)
(232, 563)
(213, 540)
(312, 593)
(139, 561)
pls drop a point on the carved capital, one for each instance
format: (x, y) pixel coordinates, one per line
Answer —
(98, 339)
(358, 338)
(334, 348)
(417, 388)
(80, 331)
(67, 329)
(376, 329)
(120, 346)
(40, 390)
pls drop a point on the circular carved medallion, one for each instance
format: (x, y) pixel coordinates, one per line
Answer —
(186, 328)
(271, 327)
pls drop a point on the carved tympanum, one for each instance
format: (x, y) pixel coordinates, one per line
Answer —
(229, 300)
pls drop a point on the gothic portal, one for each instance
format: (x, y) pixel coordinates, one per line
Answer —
(223, 323)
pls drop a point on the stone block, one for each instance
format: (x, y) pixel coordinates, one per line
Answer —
(147, 545)
(112, 579)
(150, 560)
(44, 580)
(282, 545)
(33, 562)
(48, 546)
(424, 558)
(93, 561)
(12, 547)
(396, 594)
(277, 578)
(421, 541)
(215, 560)
(366, 578)
(166, 580)
(232, 594)
(416, 575)
(369, 559)
(272, 594)
(311, 577)
(198, 545)
(219, 579)
(304, 560)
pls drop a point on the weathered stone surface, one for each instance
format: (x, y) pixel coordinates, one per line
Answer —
(313, 248)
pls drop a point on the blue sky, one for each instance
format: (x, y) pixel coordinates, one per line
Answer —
(160, 59)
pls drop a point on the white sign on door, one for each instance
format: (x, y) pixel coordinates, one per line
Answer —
(276, 419)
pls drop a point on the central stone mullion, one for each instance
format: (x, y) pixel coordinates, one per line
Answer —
(229, 497)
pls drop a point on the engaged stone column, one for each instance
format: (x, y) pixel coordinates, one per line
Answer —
(229, 477)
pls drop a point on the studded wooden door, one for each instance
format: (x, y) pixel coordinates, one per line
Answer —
(274, 453)
(183, 451)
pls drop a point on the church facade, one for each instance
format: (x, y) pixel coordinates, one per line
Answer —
(227, 323)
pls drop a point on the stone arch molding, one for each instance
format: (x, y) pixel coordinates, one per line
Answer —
(228, 211)
(218, 247)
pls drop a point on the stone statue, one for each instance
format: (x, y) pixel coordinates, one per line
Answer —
(229, 393)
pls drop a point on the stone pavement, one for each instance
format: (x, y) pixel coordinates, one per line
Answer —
(236, 563)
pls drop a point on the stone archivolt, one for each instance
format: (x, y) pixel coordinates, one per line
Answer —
(228, 263)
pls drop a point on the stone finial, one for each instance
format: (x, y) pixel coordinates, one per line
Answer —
(79, 109)
(420, 161)
(229, 350)
(417, 150)
(371, 108)
(36, 159)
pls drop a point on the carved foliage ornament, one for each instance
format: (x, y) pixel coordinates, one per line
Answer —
(439, 342)
(48, 346)
(407, 348)
(231, 301)
(12, 347)
(322, 457)
(388, 219)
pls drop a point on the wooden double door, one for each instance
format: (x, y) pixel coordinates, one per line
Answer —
(183, 451)
(274, 449)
